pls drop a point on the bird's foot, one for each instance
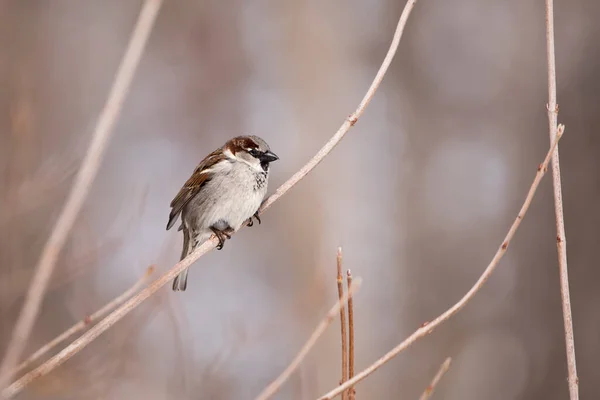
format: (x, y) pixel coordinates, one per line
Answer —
(251, 221)
(222, 235)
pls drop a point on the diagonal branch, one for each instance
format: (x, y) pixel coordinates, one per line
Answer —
(428, 327)
(352, 118)
(126, 308)
(561, 240)
(80, 189)
(86, 322)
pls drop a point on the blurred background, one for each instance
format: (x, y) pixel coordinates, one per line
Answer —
(419, 194)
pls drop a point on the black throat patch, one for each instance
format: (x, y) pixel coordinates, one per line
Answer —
(261, 180)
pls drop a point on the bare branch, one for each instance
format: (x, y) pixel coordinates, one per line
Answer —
(85, 323)
(351, 390)
(277, 383)
(436, 379)
(428, 327)
(561, 240)
(208, 245)
(340, 285)
(80, 189)
(352, 118)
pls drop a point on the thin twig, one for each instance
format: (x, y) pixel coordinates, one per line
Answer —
(277, 383)
(208, 245)
(80, 189)
(428, 327)
(352, 118)
(340, 285)
(351, 390)
(436, 379)
(86, 322)
(561, 240)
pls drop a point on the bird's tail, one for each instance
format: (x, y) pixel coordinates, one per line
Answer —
(180, 281)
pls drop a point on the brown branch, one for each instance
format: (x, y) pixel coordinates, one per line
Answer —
(351, 390)
(122, 311)
(277, 383)
(561, 240)
(340, 285)
(85, 323)
(428, 327)
(436, 379)
(80, 189)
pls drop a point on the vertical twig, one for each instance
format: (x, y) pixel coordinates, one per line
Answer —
(80, 189)
(340, 285)
(561, 240)
(351, 390)
(274, 386)
(436, 379)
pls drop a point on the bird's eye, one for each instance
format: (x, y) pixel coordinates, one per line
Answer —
(254, 153)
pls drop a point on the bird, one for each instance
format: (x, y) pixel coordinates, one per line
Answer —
(225, 190)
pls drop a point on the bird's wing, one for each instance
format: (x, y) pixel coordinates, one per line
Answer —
(194, 184)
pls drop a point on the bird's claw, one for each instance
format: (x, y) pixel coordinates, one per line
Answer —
(251, 221)
(222, 235)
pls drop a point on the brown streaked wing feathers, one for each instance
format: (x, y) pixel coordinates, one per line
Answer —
(193, 185)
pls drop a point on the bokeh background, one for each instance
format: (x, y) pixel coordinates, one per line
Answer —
(419, 194)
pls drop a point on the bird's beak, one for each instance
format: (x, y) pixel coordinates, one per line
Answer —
(268, 156)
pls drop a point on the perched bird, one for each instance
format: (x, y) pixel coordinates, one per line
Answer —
(225, 190)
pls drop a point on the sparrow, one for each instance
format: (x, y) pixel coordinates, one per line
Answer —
(225, 190)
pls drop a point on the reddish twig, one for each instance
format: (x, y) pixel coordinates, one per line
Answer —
(351, 390)
(436, 379)
(428, 327)
(561, 240)
(80, 189)
(277, 383)
(340, 285)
